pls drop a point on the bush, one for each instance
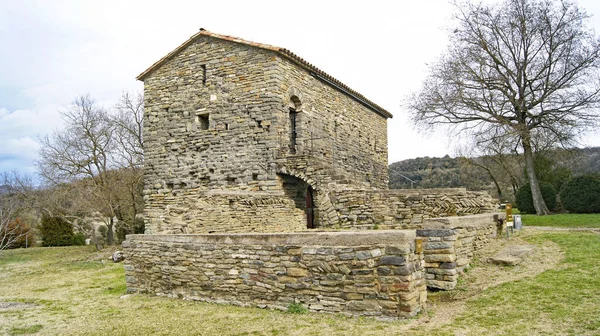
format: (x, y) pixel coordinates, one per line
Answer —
(79, 239)
(56, 231)
(581, 194)
(22, 229)
(524, 199)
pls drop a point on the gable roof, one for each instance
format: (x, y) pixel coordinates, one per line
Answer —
(313, 70)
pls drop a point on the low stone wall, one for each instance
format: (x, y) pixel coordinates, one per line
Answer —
(200, 212)
(373, 273)
(406, 208)
(449, 244)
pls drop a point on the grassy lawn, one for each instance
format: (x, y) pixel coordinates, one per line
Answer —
(75, 293)
(563, 220)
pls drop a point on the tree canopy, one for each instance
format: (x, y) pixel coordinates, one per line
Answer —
(526, 71)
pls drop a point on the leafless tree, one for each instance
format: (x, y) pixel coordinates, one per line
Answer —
(518, 70)
(9, 233)
(13, 203)
(129, 123)
(97, 157)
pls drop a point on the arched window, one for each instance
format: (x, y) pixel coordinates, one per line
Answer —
(294, 110)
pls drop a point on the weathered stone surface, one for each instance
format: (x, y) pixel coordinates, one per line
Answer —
(512, 255)
(258, 269)
(437, 245)
(441, 258)
(446, 255)
(297, 272)
(445, 285)
(392, 260)
(435, 233)
(448, 265)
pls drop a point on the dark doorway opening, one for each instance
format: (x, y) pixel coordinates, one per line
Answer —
(303, 196)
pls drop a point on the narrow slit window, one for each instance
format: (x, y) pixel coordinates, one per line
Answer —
(293, 130)
(203, 74)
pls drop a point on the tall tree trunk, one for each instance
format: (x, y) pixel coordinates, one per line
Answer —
(538, 201)
(109, 233)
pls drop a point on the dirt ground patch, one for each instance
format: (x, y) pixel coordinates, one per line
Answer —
(445, 306)
(4, 305)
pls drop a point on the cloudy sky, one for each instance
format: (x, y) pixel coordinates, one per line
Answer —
(53, 51)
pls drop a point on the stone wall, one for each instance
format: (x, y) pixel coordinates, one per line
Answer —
(352, 273)
(449, 244)
(283, 208)
(405, 208)
(197, 212)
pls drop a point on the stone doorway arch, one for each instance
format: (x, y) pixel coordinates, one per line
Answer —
(323, 212)
(302, 195)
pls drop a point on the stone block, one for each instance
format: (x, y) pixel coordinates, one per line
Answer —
(435, 233)
(392, 260)
(297, 272)
(440, 258)
(437, 245)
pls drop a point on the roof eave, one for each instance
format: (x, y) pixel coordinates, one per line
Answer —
(313, 70)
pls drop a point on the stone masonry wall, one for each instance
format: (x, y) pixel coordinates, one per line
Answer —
(217, 117)
(352, 273)
(405, 208)
(198, 212)
(449, 244)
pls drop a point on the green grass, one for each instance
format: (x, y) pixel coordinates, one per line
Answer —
(296, 308)
(78, 294)
(563, 220)
(25, 330)
(560, 301)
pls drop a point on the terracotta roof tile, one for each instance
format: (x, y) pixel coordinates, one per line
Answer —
(283, 52)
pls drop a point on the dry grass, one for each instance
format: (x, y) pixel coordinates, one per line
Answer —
(75, 292)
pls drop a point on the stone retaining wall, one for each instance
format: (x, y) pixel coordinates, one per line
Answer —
(352, 273)
(405, 208)
(449, 244)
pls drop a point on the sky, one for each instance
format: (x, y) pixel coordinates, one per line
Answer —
(51, 52)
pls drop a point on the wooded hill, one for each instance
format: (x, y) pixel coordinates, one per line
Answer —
(479, 173)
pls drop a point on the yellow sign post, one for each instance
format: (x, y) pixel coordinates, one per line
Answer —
(509, 219)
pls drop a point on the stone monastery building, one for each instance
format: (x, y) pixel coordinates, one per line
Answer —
(248, 137)
(253, 143)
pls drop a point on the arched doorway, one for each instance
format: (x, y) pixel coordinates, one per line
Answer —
(303, 196)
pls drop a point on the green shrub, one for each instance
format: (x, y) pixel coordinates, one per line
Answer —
(79, 239)
(56, 231)
(524, 199)
(581, 194)
(296, 308)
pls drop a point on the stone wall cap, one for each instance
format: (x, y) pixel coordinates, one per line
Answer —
(281, 51)
(341, 238)
(461, 221)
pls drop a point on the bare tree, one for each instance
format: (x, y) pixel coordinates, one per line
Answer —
(519, 70)
(9, 233)
(13, 203)
(97, 156)
(129, 123)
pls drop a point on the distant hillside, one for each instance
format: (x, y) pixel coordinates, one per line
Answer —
(433, 172)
